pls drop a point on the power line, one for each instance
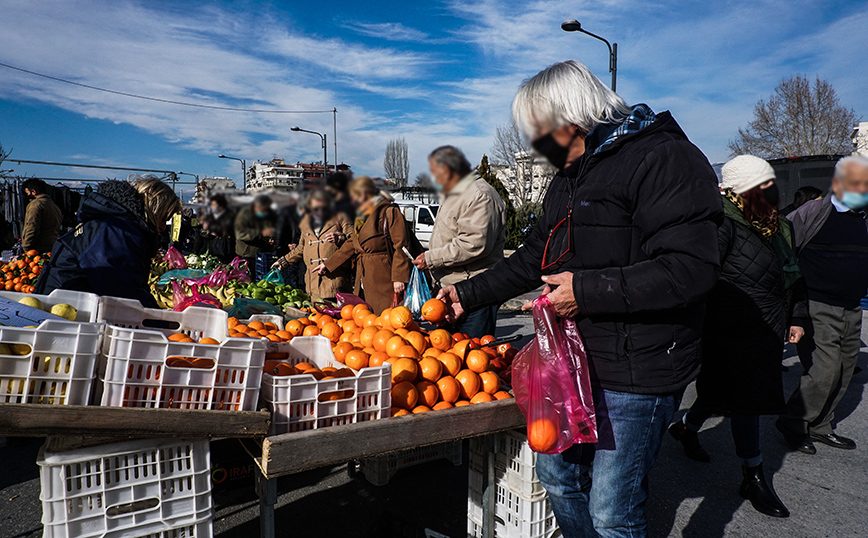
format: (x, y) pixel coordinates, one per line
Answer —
(169, 101)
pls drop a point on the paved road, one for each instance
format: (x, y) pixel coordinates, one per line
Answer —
(826, 493)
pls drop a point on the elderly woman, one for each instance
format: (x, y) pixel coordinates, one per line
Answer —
(323, 232)
(377, 246)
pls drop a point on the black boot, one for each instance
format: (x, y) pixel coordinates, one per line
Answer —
(690, 441)
(760, 493)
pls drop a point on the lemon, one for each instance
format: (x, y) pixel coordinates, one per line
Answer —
(32, 302)
(21, 349)
(5, 349)
(66, 311)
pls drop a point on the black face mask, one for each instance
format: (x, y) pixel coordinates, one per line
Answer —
(554, 153)
(772, 195)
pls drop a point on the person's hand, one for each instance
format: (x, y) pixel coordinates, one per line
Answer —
(268, 232)
(561, 295)
(330, 237)
(398, 287)
(454, 310)
(291, 246)
(320, 269)
(420, 262)
(796, 334)
(275, 265)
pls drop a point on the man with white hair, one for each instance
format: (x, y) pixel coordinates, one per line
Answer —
(627, 247)
(831, 238)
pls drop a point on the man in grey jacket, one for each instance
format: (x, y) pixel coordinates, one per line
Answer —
(831, 238)
(469, 231)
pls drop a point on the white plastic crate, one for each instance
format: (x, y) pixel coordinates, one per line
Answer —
(196, 322)
(60, 368)
(381, 469)
(300, 402)
(202, 529)
(136, 488)
(87, 304)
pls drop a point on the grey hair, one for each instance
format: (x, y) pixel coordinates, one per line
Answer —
(563, 94)
(842, 165)
(453, 159)
(320, 195)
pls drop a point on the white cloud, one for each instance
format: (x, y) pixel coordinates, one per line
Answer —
(389, 31)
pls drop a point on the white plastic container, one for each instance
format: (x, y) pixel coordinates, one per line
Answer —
(381, 469)
(87, 304)
(136, 488)
(58, 370)
(133, 367)
(202, 529)
(300, 402)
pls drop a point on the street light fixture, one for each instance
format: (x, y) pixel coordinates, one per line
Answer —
(243, 168)
(325, 157)
(572, 25)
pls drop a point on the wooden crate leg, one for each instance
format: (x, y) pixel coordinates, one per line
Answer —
(266, 489)
(490, 488)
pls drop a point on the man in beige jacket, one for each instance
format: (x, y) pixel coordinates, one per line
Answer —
(469, 231)
(42, 218)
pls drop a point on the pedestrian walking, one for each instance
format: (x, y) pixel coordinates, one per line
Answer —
(469, 232)
(627, 246)
(831, 238)
(42, 218)
(254, 230)
(756, 305)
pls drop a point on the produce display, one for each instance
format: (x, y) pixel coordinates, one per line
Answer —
(282, 295)
(65, 311)
(21, 274)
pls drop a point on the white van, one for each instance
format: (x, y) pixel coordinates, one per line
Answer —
(421, 218)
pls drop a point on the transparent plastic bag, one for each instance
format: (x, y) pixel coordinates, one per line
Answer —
(417, 293)
(175, 259)
(552, 385)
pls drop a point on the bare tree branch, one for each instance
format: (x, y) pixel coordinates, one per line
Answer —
(396, 163)
(526, 178)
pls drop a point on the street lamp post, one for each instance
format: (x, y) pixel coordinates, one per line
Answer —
(243, 168)
(572, 25)
(325, 157)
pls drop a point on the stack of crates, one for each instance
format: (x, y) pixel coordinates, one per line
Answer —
(521, 506)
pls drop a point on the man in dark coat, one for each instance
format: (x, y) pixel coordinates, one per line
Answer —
(628, 247)
(288, 235)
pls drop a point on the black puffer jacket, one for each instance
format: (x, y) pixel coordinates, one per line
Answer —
(645, 215)
(746, 320)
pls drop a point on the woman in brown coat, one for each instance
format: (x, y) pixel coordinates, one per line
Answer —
(323, 232)
(377, 246)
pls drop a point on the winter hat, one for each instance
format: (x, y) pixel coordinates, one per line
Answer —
(746, 172)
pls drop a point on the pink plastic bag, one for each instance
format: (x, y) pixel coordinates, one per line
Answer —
(239, 270)
(175, 259)
(552, 385)
(195, 299)
(216, 279)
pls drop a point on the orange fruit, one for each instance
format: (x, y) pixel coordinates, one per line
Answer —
(381, 338)
(232, 322)
(442, 405)
(417, 340)
(323, 320)
(487, 339)
(394, 344)
(269, 365)
(360, 306)
(331, 331)
(305, 321)
(481, 397)
(270, 326)
(542, 434)
(304, 366)
(360, 315)
(430, 369)
(378, 358)
(462, 403)
(178, 362)
(283, 335)
(294, 327)
(177, 337)
(421, 409)
(402, 332)
(398, 412)
(284, 369)
(366, 337)
(256, 325)
(344, 372)
(451, 363)
(311, 330)
(341, 350)
(429, 394)
(502, 395)
(490, 382)
(463, 347)
(370, 321)
(440, 339)
(405, 395)
(350, 326)
(355, 339)
(262, 332)
(477, 361)
(345, 337)
(384, 315)
(347, 312)
(434, 310)
(356, 359)
(273, 338)
(400, 317)
(450, 389)
(431, 352)
(404, 370)
(469, 382)
(407, 351)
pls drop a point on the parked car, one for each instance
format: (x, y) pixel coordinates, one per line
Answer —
(421, 218)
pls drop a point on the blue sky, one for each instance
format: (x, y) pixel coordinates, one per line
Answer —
(434, 72)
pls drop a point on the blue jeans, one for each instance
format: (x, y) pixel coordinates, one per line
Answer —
(630, 428)
(479, 322)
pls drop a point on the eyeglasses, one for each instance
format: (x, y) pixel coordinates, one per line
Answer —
(560, 242)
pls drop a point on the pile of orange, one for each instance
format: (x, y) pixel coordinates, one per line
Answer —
(259, 329)
(181, 337)
(276, 364)
(21, 275)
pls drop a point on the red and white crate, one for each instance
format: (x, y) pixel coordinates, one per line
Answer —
(135, 348)
(300, 402)
(137, 488)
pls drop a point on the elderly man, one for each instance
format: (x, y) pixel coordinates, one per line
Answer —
(832, 241)
(42, 218)
(469, 232)
(628, 247)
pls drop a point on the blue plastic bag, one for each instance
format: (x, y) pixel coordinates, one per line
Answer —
(243, 308)
(418, 292)
(274, 276)
(181, 274)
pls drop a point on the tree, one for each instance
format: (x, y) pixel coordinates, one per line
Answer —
(423, 179)
(798, 119)
(513, 236)
(3, 155)
(396, 164)
(528, 177)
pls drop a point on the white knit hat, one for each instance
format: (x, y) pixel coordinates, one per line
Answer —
(746, 172)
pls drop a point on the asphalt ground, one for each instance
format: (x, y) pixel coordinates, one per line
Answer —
(826, 493)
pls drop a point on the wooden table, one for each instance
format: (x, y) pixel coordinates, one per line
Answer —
(291, 453)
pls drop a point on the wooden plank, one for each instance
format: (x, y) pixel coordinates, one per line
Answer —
(294, 452)
(29, 420)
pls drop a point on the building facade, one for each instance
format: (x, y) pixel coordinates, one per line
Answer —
(277, 174)
(860, 138)
(527, 181)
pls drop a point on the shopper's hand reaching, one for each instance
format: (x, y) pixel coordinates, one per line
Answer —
(320, 269)
(796, 334)
(454, 310)
(559, 289)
